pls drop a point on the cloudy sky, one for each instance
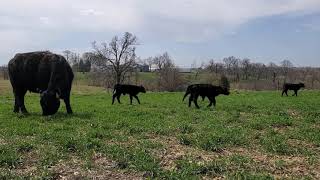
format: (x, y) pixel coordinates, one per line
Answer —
(189, 30)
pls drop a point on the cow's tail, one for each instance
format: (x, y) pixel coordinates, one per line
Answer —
(114, 88)
(186, 94)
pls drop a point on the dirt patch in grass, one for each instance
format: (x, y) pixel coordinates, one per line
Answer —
(172, 151)
(278, 166)
(299, 143)
(28, 165)
(2, 141)
(103, 168)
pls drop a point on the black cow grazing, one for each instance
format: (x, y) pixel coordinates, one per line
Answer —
(124, 89)
(41, 72)
(204, 90)
(294, 87)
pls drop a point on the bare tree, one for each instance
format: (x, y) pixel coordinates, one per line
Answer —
(286, 65)
(67, 54)
(245, 65)
(119, 55)
(232, 65)
(169, 78)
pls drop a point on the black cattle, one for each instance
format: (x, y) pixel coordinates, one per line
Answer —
(294, 87)
(41, 72)
(204, 90)
(188, 91)
(124, 89)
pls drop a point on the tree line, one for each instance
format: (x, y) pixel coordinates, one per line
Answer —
(116, 62)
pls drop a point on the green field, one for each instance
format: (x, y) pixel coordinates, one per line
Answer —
(249, 135)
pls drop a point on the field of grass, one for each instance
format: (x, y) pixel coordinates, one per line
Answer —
(249, 135)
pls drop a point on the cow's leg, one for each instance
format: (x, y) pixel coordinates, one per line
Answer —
(195, 100)
(20, 101)
(16, 105)
(67, 103)
(118, 98)
(190, 99)
(212, 101)
(113, 97)
(130, 99)
(282, 92)
(296, 92)
(135, 96)
(286, 92)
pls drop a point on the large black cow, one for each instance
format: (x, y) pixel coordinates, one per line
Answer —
(204, 90)
(124, 89)
(294, 87)
(41, 72)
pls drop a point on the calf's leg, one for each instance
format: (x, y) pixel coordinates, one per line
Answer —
(118, 98)
(135, 96)
(190, 99)
(130, 99)
(113, 97)
(195, 100)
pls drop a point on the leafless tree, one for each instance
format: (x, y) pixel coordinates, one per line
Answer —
(286, 65)
(67, 54)
(169, 78)
(245, 65)
(119, 55)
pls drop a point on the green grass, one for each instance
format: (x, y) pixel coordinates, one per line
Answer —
(248, 135)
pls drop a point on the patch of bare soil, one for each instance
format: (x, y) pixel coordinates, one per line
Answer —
(129, 142)
(278, 166)
(172, 151)
(28, 166)
(2, 141)
(103, 168)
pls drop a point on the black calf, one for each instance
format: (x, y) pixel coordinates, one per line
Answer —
(124, 89)
(294, 87)
(204, 90)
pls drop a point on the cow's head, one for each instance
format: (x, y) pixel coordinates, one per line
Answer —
(50, 102)
(142, 89)
(224, 91)
(301, 85)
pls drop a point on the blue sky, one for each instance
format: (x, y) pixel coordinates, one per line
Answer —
(189, 30)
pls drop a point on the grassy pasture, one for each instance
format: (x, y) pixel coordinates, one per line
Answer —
(249, 135)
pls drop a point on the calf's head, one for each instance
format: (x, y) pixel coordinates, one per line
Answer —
(301, 85)
(142, 89)
(50, 102)
(224, 91)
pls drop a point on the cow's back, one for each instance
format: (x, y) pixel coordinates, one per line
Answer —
(33, 71)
